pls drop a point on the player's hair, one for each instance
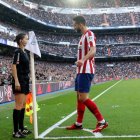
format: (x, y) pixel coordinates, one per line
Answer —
(19, 37)
(79, 19)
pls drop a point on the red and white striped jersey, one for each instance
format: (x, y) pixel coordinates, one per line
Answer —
(87, 40)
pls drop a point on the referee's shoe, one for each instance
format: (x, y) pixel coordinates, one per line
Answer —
(18, 135)
(25, 131)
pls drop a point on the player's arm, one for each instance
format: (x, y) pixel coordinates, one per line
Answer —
(90, 54)
(14, 70)
(92, 51)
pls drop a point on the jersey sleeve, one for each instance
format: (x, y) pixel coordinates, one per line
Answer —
(91, 39)
(16, 57)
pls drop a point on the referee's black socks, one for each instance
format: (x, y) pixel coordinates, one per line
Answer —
(16, 118)
(21, 120)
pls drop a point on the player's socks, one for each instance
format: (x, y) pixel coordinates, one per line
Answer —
(80, 112)
(22, 129)
(93, 108)
(21, 120)
(80, 115)
(16, 117)
(78, 124)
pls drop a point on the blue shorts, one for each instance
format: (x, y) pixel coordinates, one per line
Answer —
(83, 82)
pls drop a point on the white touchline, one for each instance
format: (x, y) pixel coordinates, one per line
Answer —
(73, 113)
(91, 137)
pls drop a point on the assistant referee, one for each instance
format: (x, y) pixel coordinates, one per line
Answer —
(20, 85)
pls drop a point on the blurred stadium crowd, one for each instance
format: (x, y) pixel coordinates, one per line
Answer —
(71, 51)
(118, 19)
(53, 72)
(89, 3)
(107, 45)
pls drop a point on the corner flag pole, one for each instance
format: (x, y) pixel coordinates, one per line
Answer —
(34, 96)
(33, 47)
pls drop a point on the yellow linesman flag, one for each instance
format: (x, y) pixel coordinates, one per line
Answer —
(29, 107)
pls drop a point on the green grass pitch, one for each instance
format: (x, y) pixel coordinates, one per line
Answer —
(120, 106)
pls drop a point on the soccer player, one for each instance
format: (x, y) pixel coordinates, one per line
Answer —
(85, 75)
(20, 85)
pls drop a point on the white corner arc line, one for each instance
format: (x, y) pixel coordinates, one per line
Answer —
(73, 113)
(97, 134)
(91, 137)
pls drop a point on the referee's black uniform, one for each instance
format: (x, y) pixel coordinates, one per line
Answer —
(21, 60)
(20, 85)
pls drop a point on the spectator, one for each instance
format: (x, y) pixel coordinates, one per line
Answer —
(66, 72)
(119, 19)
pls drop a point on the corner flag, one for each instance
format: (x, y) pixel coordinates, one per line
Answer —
(32, 44)
(33, 47)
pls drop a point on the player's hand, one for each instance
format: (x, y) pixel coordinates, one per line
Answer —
(17, 86)
(79, 63)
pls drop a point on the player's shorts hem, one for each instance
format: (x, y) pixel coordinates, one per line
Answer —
(82, 91)
(24, 89)
(15, 93)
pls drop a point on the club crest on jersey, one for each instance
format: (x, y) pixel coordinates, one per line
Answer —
(90, 38)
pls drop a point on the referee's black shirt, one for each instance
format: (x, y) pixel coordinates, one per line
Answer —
(21, 60)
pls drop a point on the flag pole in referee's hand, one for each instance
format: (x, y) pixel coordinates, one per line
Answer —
(33, 47)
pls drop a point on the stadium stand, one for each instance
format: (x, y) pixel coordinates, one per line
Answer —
(118, 19)
(52, 72)
(108, 45)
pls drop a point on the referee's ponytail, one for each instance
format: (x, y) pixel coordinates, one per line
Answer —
(19, 37)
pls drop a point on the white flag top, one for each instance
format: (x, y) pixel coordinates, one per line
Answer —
(32, 44)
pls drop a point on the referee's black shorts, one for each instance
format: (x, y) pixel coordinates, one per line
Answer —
(24, 85)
